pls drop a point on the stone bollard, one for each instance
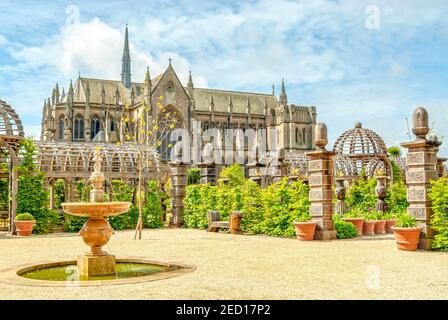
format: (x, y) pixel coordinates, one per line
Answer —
(341, 192)
(321, 168)
(381, 193)
(421, 161)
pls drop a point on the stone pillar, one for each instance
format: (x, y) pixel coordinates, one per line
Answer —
(341, 192)
(321, 168)
(421, 161)
(254, 172)
(381, 193)
(178, 184)
(208, 172)
(282, 168)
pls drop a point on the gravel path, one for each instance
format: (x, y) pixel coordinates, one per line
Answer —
(244, 267)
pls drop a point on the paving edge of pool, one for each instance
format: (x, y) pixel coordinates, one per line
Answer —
(12, 276)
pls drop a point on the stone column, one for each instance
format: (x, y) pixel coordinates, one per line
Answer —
(421, 161)
(282, 168)
(341, 192)
(321, 168)
(381, 193)
(208, 172)
(178, 184)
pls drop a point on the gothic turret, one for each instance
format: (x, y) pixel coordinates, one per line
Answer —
(147, 87)
(283, 97)
(126, 62)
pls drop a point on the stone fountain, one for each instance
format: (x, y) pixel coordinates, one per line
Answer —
(97, 231)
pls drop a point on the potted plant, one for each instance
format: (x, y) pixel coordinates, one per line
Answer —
(390, 221)
(407, 234)
(380, 223)
(368, 227)
(304, 227)
(355, 217)
(24, 224)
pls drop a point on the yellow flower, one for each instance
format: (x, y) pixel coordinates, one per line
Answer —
(161, 98)
(170, 145)
(159, 143)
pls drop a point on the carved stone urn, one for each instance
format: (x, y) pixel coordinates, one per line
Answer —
(341, 192)
(381, 193)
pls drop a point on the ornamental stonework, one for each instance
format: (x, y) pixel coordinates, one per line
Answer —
(419, 213)
(416, 193)
(421, 176)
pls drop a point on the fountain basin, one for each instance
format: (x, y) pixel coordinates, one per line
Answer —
(96, 209)
(65, 273)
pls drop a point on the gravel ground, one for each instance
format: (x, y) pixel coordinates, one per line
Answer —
(244, 267)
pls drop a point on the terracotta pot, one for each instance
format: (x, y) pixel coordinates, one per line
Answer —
(407, 238)
(368, 227)
(380, 226)
(357, 222)
(389, 224)
(305, 230)
(24, 228)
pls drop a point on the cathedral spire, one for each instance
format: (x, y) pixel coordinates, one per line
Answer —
(103, 94)
(283, 96)
(273, 90)
(147, 85)
(126, 62)
(190, 82)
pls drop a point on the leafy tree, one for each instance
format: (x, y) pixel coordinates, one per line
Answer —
(234, 173)
(193, 175)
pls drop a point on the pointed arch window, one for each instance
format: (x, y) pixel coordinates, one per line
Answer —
(61, 128)
(112, 125)
(94, 127)
(79, 128)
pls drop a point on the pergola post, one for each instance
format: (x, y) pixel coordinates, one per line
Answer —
(13, 203)
(178, 185)
(321, 168)
(421, 163)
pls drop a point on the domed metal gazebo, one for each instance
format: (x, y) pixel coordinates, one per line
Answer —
(11, 132)
(359, 149)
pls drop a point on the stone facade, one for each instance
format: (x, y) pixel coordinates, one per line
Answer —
(91, 110)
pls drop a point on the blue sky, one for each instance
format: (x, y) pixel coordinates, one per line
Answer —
(324, 50)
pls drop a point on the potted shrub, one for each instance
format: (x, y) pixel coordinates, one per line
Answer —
(24, 224)
(355, 217)
(368, 227)
(407, 234)
(304, 227)
(380, 223)
(390, 221)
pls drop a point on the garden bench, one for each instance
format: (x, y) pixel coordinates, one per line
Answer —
(234, 225)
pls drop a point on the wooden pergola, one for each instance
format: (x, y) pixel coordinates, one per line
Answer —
(72, 162)
(11, 133)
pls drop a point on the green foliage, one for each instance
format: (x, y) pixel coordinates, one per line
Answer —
(234, 173)
(361, 194)
(152, 210)
(345, 230)
(24, 217)
(83, 191)
(269, 211)
(4, 195)
(59, 194)
(405, 220)
(354, 213)
(73, 223)
(193, 175)
(396, 172)
(126, 220)
(32, 196)
(439, 222)
(122, 191)
(397, 198)
(394, 151)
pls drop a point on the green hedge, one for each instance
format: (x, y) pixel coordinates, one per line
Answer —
(439, 197)
(270, 210)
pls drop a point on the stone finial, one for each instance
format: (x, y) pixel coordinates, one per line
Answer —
(321, 135)
(358, 125)
(420, 123)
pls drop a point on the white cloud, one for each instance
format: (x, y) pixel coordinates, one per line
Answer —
(2, 40)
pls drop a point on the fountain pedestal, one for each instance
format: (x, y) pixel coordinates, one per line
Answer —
(96, 232)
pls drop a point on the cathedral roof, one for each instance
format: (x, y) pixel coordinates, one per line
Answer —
(221, 99)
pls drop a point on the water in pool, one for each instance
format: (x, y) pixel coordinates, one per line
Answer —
(70, 272)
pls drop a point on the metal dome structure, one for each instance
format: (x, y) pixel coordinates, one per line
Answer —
(365, 149)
